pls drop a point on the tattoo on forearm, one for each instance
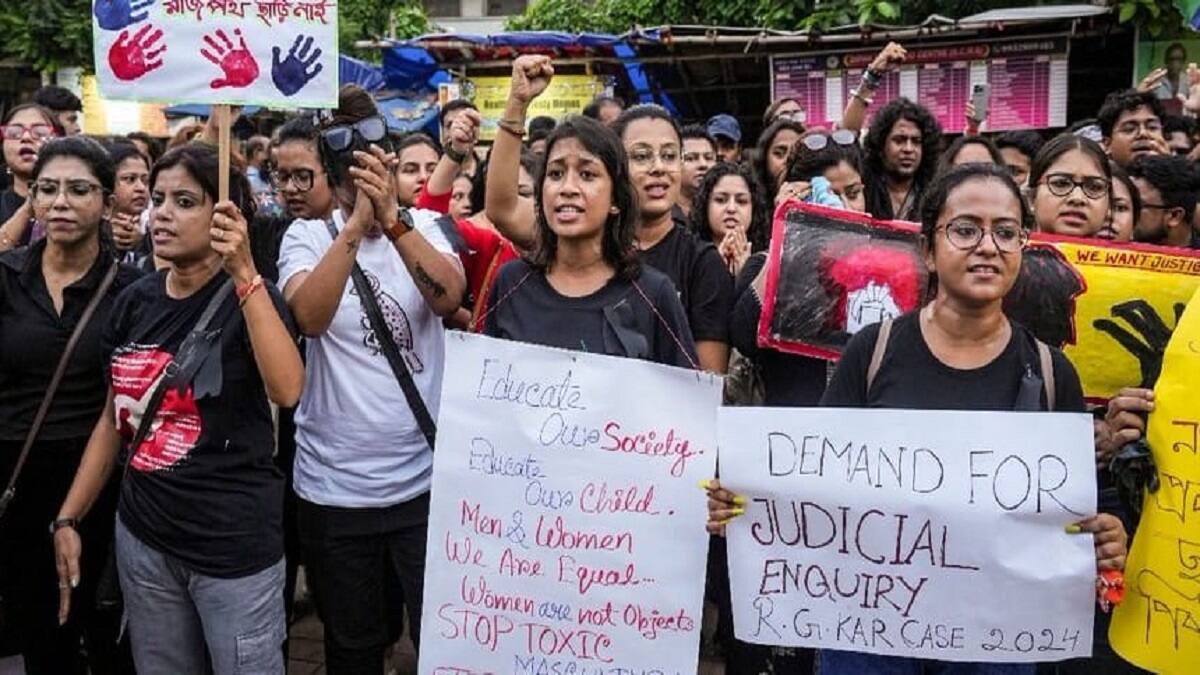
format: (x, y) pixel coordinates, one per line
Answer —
(425, 280)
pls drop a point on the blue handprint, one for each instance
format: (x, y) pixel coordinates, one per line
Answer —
(118, 14)
(292, 73)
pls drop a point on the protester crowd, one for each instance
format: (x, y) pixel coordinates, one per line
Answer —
(199, 395)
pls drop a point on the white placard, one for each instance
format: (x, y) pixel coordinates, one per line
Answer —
(566, 532)
(276, 53)
(932, 534)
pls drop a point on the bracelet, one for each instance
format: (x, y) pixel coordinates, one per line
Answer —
(858, 94)
(872, 79)
(454, 155)
(514, 127)
(60, 523)
(244, 292)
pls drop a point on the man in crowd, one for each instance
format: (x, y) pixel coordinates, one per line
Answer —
(726, 131)
(1018, 149)
(604, 109)
(65, 106)
(1178, 131)
(1167, 185)
(699, 155)
(1131, 126)
(900, 155)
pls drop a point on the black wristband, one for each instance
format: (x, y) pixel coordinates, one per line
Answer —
(60, 523)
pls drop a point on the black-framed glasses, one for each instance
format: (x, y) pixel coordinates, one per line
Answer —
(1062, 184)
(965, 235)
(46, 191)
(372, 130)
(302, 179)
(816, 142)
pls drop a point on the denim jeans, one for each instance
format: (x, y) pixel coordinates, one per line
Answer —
(176, 615)
(832, 662)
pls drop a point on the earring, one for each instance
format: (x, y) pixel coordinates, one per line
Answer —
(615, 211)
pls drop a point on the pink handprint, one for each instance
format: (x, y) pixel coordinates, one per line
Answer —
(237, 63)
(131, 58)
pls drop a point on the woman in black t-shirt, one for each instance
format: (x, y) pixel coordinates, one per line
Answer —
(959, 352)
(199, 534)
(44, 289)
(583, 287)
(26, 129)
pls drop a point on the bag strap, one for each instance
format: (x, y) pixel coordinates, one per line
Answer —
(180, 370)
(881, 343)
(387, 344)
(60, 371)
(1047, 366)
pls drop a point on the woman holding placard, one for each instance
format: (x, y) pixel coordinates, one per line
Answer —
(958, 352)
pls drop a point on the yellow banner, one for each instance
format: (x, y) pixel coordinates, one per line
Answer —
(1130, 302)
(102, 117)
(566, 95)
(1158, 625)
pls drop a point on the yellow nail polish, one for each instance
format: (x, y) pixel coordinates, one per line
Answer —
(739, 500)
(704, 483)
(1073, 529)
(736, 512)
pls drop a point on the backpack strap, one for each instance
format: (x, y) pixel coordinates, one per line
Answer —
(1047, 366)
(881, 343)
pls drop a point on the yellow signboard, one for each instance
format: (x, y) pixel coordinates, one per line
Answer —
(1157, 627)
(102, 117)
(566, 95)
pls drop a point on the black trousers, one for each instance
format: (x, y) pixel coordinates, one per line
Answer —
(29, 580)
(355, 560)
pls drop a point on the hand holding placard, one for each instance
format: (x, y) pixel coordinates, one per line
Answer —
(130, 58)
(292, 73)
(237, 63)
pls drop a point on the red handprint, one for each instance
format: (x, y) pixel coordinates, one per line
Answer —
(131, 58)
(238, 63)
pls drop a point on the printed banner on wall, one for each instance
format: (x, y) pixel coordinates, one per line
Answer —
(566, 95)
(1157, 627)
(1111, 307)
(276, 53)
(566, 532)
(931, 534)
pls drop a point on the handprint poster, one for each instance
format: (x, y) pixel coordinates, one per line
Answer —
(1111, 307)
(275, 53)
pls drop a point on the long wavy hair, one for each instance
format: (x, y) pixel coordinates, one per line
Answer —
(875, 145)
(759, 231)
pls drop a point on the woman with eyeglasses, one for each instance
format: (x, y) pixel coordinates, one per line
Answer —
(958, 352)
(131, 196)
(25, 130)
(774, 148)
(1070, 186)
(363, 482)
(44, 289)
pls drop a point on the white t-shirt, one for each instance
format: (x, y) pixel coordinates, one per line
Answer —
(357, 442)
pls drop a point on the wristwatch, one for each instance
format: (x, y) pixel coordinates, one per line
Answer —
(60, 523)
(401, 227)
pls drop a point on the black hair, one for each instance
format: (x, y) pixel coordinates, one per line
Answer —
(417, 138)
(57, 99)
(1082, 124)
(85, 150)
(946, 161)
(759, 231)
(1135, 197)
(879, 202)
(1061, 145)
(1127, 100)
(1174, 177)
(354, 105)
(592, 109)
(540, 127)
(122, 150)
(697, 132)
(1178, 123)
(1173, 47)
(453, 106)
(763, 150)
(645, 111)
(201, 162)
(805, 164)
(943, 184)
(529, 162)
(42, 110)
(151, 142)
(617, 241)
(1026, 141)
(298, 129)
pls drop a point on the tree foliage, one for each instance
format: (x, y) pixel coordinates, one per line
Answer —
(373, 19)
(47, 34)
